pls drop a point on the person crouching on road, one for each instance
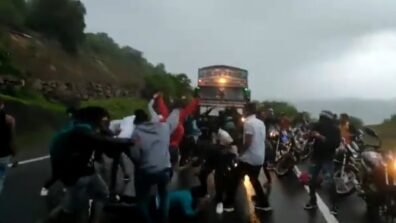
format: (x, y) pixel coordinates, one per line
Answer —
(73, 158)
(153, 160)
(327, 138)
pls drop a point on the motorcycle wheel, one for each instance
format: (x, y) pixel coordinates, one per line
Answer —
(345, 184)
(284, 165)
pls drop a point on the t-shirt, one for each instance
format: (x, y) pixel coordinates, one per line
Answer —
(255, 154)
(224, 138)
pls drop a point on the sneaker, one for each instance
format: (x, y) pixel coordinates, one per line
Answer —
(219, 208)
(334, 211)
(310, 206)
(229, 208)
(265, 208)
(44, 192)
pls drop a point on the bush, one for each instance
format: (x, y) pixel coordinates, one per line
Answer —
(13, 13)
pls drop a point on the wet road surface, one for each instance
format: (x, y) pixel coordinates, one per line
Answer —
(21, 202)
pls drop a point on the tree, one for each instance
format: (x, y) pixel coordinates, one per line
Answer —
(13, 13)
(59, 19)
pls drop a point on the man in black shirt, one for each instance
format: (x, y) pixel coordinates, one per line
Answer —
(327, 138)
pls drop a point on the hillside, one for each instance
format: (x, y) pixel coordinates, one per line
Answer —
(44, 48)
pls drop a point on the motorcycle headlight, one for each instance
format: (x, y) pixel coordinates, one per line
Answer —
(273, 134)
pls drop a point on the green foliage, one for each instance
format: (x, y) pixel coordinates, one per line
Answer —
(59, 19)
(280, 107)
(101, 43)
(6, 66)
(13, 13)
(392, 119)
(28, 97)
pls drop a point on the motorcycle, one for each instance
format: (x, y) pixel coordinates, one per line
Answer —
(302, 144)
(378, 179)
(285, 154)
(346, 171)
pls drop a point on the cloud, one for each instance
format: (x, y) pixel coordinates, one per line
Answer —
(284, 44)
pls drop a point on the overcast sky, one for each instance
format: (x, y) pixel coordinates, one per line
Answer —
(293, 49)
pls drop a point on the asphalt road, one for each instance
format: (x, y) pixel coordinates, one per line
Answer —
(21, 202)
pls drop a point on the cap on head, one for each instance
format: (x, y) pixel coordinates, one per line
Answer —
(327, 115)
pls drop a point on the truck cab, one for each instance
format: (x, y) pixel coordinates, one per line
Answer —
(222, 86)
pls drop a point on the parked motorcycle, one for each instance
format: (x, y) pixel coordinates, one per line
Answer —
(378, 179)
(285, 154)
(346, 171)
(302, 145)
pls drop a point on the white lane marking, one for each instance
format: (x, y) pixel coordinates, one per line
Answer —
(41, 158)
(321, 205)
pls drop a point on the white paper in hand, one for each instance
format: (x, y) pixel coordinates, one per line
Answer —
(127, 127)
(115, 126)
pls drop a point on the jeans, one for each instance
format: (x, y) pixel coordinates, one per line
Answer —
(253, 173)
(174, 156)
(4, 162)
(144, 183)
(186, 149)
(118, 161)
(327, 168)
(85, 189)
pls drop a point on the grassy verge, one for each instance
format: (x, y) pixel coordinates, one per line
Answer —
(118, 107)
(387, 132)
(38, 119)
(35, 100)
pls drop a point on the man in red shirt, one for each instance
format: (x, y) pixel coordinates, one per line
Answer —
(182, 110)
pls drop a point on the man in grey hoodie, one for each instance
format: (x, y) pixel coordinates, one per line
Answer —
(152, 140)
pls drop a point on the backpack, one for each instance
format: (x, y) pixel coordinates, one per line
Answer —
(60, 152)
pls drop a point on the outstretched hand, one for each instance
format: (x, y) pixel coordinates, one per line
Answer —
(157, 94)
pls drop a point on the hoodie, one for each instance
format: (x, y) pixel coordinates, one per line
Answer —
(182, 113)
(152, 140)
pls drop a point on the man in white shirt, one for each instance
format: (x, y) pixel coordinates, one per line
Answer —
(253, 155)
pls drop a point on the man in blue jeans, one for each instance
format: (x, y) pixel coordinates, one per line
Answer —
(327, 138)
(153, 168)
(7, 143)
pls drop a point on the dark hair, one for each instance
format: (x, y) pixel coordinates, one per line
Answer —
(251, 108)
(140, 116)
(344, 115)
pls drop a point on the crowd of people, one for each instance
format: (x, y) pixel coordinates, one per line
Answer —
(160, 142)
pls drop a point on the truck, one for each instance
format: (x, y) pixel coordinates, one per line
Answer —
(222, 86)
